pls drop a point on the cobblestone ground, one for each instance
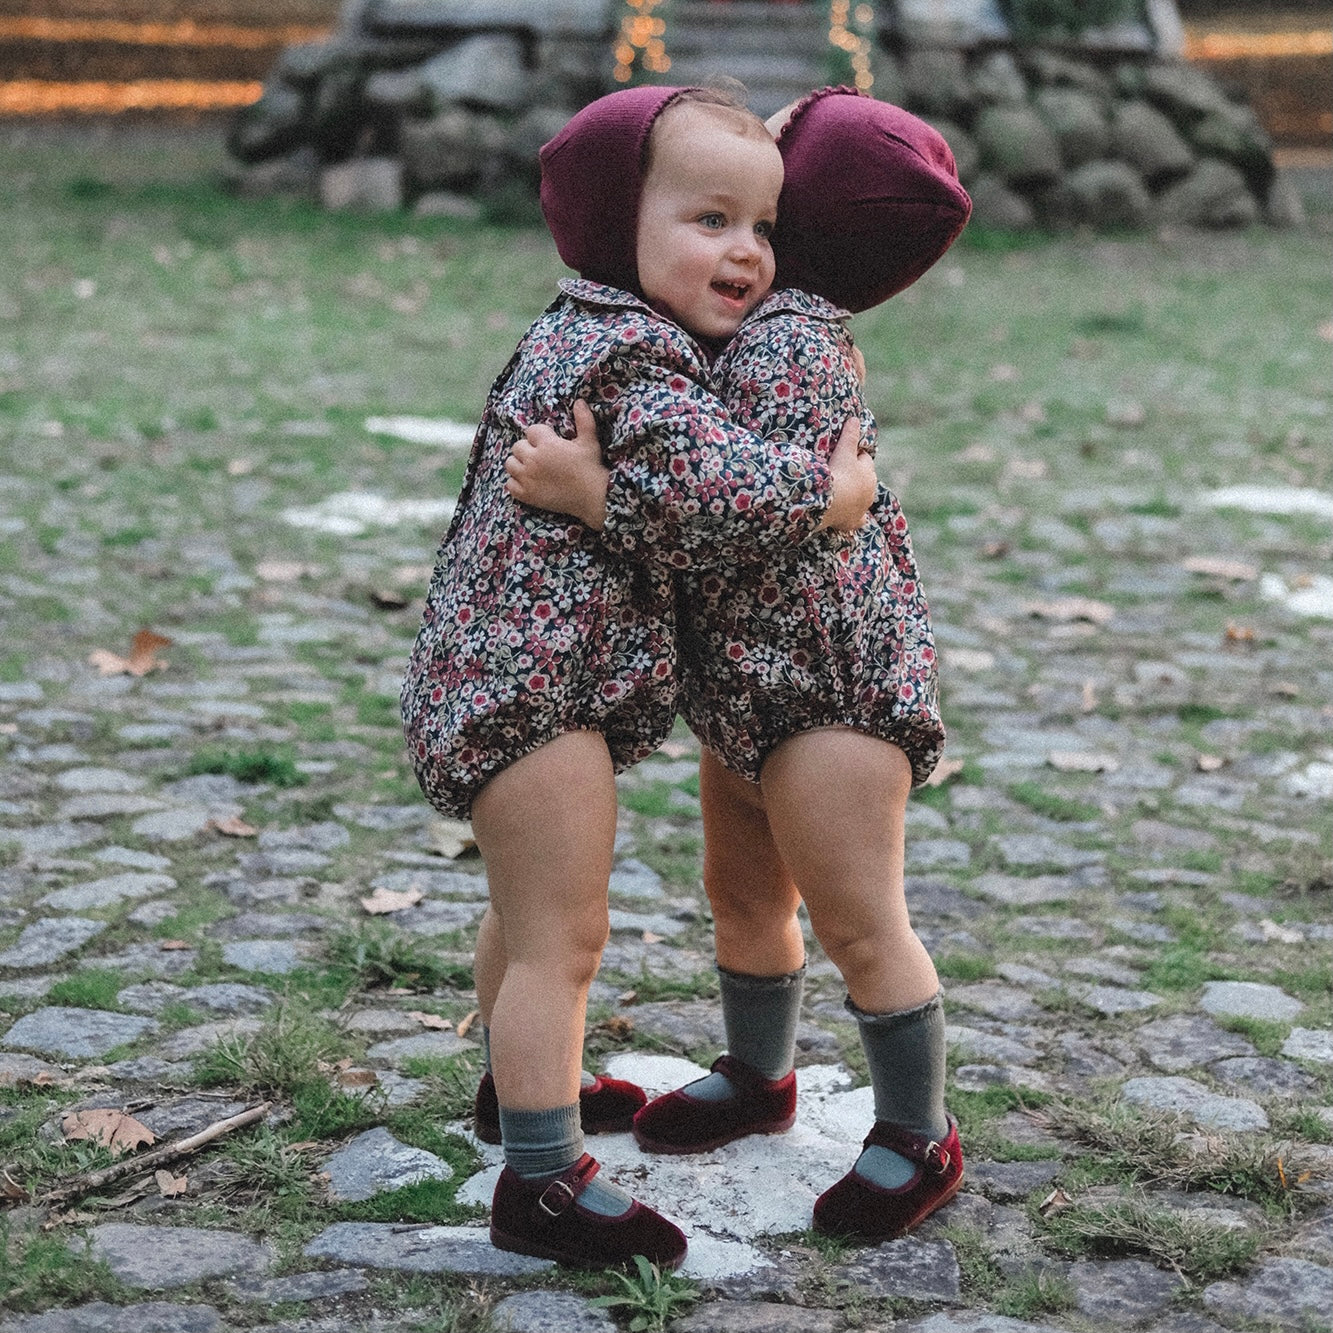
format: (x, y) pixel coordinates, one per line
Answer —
(1124, 876)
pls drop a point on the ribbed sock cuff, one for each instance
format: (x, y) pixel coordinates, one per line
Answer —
(761, 1016)
(541, 1143)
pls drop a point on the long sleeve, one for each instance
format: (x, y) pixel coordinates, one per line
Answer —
(690, 484)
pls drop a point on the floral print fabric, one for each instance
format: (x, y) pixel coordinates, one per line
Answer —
(535, 626)
(834, 632)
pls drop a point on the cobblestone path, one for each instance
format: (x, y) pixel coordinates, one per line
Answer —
(1125, 878)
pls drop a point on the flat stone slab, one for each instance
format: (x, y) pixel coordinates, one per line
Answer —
(275, 957)
(299, 1287)
(549, 1312)
(108, 891)
(1313, 1044)
(80, 1034)
(464, 1250)
(1194, 1100)
(430, 1045)
(1249, 999)
(148, 1317)
(161, 1257)
(949, 1322)
(375, 1162)
(912, 1269)
(755, 1317)
(1126, 1291)
(1112, 1000)
(47, 940)
(1188, 1041)
(24, 1068)
(1291, 1293)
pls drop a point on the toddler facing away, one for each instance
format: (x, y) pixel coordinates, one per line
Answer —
(546, 657)
(810, 678)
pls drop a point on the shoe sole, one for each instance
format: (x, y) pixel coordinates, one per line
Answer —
(680, 1150)
(501, 1240)
(877, 1237)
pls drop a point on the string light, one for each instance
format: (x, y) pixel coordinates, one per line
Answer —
(640, 41)
(33, 97)
(851, 29)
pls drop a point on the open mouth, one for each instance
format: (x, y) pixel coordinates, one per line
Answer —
(733, 291)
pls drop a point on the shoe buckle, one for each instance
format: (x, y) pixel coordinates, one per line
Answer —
(564, 1196)
(936, 1158)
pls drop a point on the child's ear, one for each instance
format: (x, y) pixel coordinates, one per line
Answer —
(778, 120)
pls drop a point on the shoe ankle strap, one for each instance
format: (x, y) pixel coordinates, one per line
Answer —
(746, 1077)
(567, 1186)
(919, 1148)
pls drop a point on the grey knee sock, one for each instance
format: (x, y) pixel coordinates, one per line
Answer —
(905, 1051)
(760, 1015)
(545, 1143)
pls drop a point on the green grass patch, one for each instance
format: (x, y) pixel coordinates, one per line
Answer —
(965, 966)
(90, 988)
(275, 766)
(39, 1270)
(381, 956)
(1052, 805)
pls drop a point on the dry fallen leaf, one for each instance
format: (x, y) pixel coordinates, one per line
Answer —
(240, 467)
(172, 946)
(450, 838)
(649, 937)
(1056, 1201)
(1088, 698)
(465, 1023)
(1065, 609)
(436, 1021)
(1209, 763)
(383, 901)
(1238, 633)
(143, 656)
(108, 1127)
(943, 771)
(1219, 567)
(11, 1189)
(356, 1078)
(169, 1186)
(627, 997)
(233, 827)
(285, 571)
(1082, 761)
(617, 1027)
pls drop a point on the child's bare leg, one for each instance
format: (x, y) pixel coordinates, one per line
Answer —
(753, 897)
(836, 802)
(761, 965)
(546, 830)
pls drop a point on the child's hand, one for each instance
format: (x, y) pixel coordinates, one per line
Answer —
(567, 476)
(859, 364)
(854, 481)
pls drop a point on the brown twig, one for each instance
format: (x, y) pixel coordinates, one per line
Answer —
(148, 1161)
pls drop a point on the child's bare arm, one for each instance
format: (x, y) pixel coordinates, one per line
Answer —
(549, 471)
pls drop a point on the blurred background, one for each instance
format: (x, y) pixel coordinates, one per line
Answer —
(186, 59)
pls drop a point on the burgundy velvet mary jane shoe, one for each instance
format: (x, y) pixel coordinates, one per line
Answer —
(679, 1123)
(544, 1218)
(861, 1210)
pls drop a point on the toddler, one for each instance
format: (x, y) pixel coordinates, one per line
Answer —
(810, 678)
(545, 661)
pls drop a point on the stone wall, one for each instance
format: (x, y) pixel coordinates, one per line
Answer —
(440, 105)
(428, 104)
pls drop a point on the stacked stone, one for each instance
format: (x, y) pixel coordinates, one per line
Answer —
(431, 104)
(1057, 138)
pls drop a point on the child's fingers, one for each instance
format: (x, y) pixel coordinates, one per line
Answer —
(585, 423)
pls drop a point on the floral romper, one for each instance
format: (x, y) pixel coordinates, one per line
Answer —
(834, 632)
(534, 625)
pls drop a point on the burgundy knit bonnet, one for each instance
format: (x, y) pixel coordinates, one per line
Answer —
(869, 202)
(592, 177)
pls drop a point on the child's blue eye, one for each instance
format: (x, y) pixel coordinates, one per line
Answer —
(763, 230)
(713, 221)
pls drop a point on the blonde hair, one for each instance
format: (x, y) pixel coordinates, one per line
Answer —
(726, 103)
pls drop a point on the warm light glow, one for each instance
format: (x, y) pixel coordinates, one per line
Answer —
(36, 97)
(851, 31)
(185, 32)
(1249, 45)
(641, 41)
